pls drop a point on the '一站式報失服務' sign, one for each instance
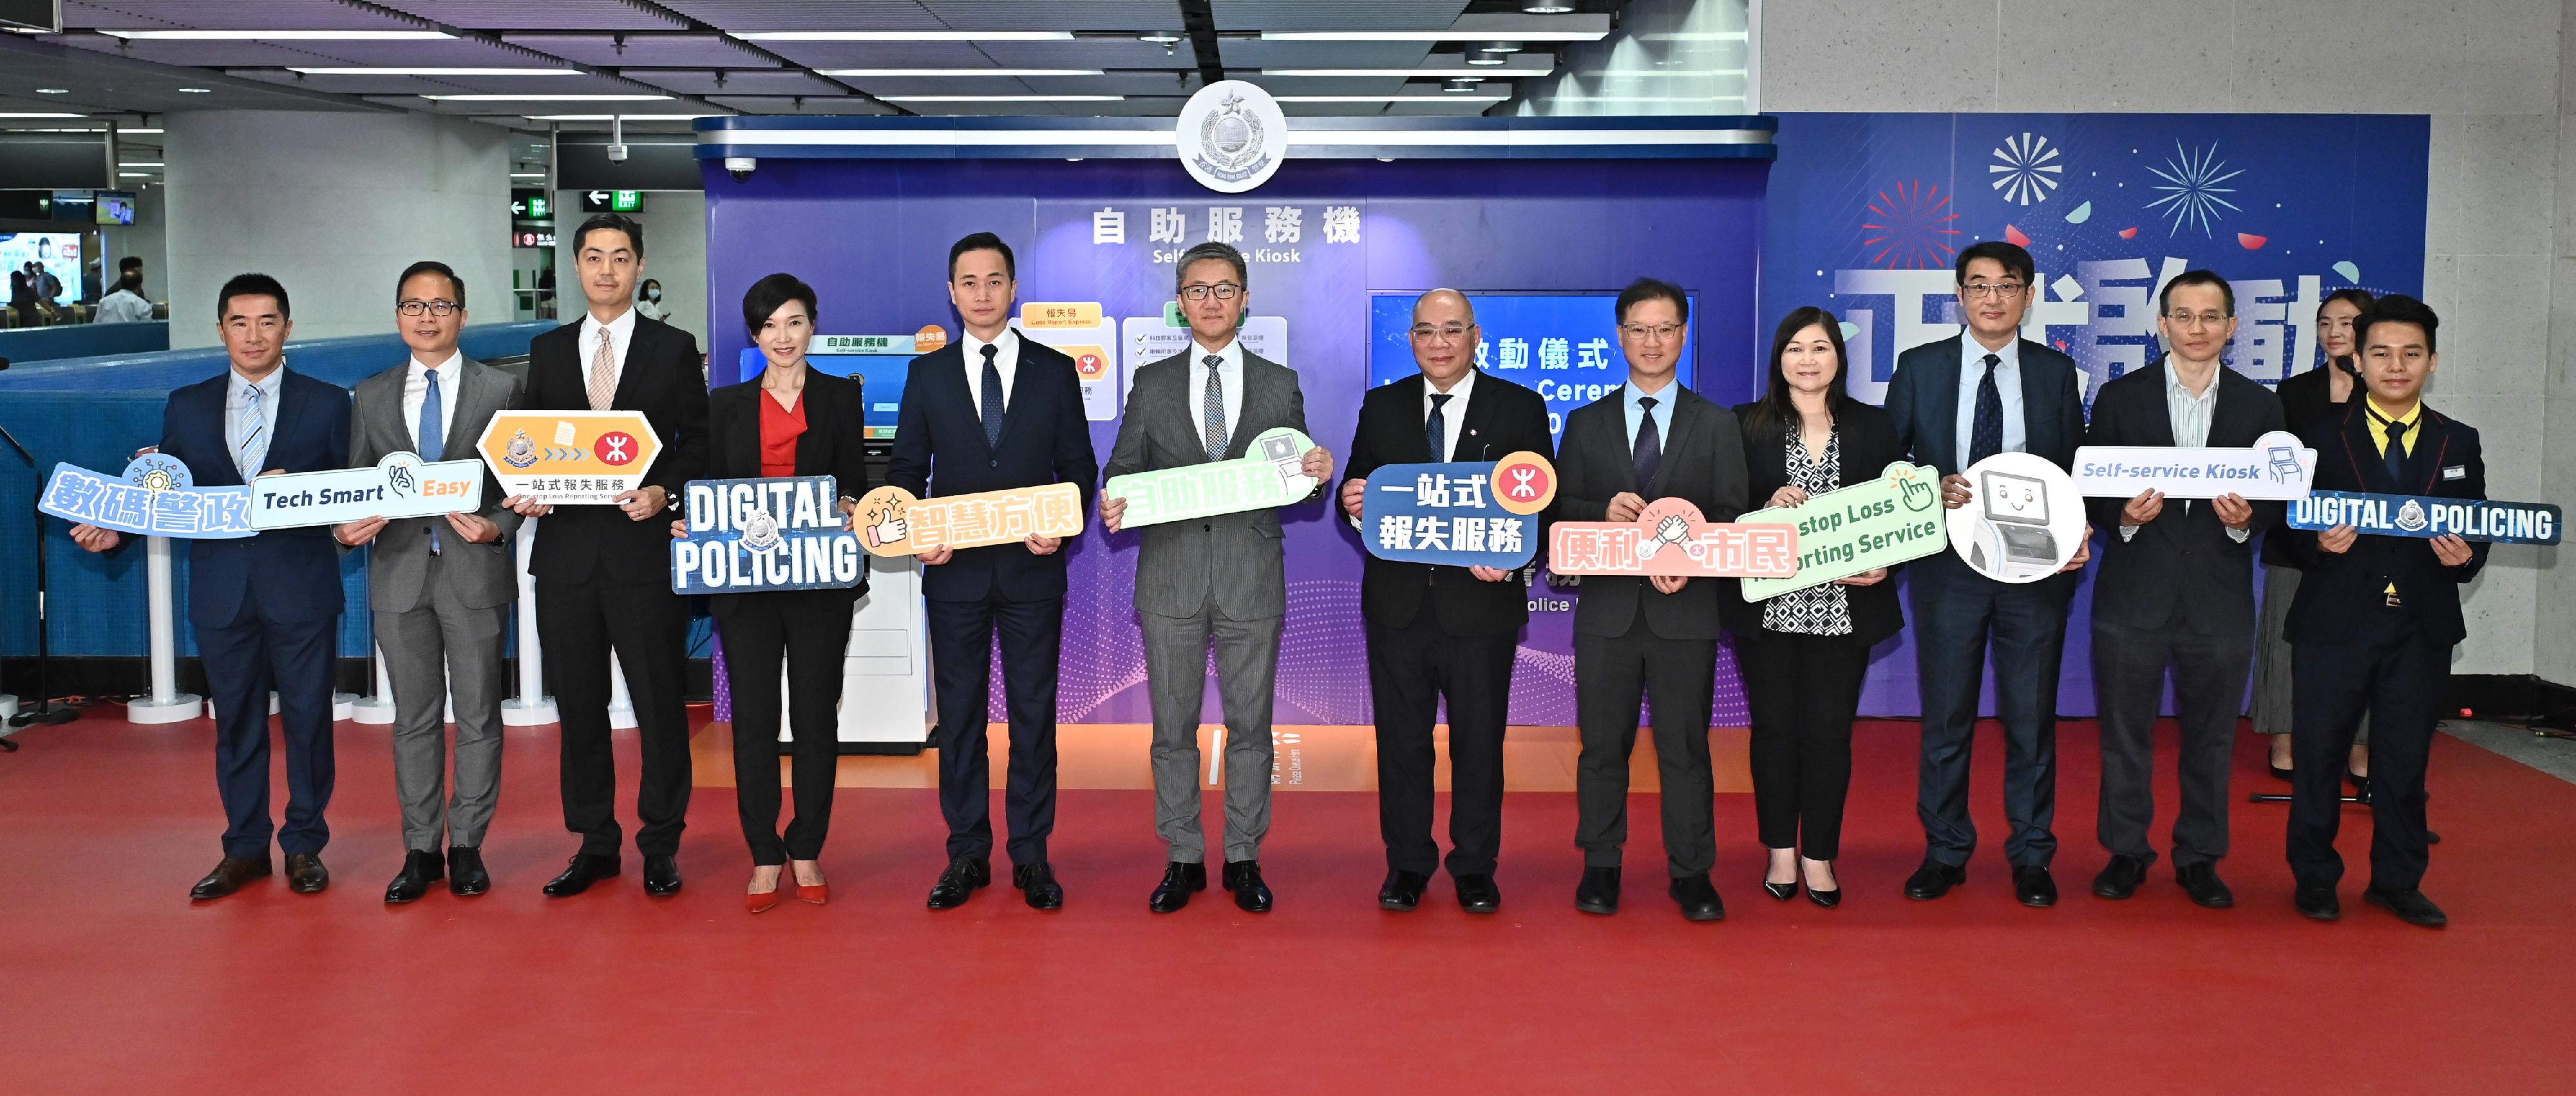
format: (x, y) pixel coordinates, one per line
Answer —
(755, 535)
(569, 458)
(2427, 516)
(2275, 467)
(1464, 514)
(154, 498)
(399, 486)
(1857, 529)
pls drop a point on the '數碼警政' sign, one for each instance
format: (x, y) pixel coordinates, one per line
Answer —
(756, 535)
(1464, 514)
(154, 498)
(2427, 516)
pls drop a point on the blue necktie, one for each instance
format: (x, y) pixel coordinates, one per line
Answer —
(1649, 452)
(254, 435)
(432, 441)
(1435, 430)
(992, 397)
(1986, 434)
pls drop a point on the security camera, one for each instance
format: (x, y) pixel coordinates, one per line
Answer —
(617, 154)
(741, 167)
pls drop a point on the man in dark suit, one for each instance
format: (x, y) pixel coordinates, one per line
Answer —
(2376, 618)
(1222, 577)
(1441, 633)
(2176, 589)
(603, 573)
(1956, 402)
(266, 608)
(1648, 637)
(988, 412)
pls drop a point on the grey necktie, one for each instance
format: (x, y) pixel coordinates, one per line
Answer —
(1212, 408)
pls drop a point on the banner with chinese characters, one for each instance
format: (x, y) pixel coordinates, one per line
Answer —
(753, 535)
(1466, 514)
(1087, 334)
(1857, 529)
(154, 498)
(399, 486)
(1670, 537)
(2275, 467)
(892, 522)
(1267, 475)
(569, 458)
(2427, 516)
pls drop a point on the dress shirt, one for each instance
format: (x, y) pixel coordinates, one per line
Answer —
(1006, 361)
(416, 393)
(124, 306)
(1229, 373)
(1452, 413)
(1972, 371)
(1629, 394)
(2189, 415)
(622, 329)
(270, 387)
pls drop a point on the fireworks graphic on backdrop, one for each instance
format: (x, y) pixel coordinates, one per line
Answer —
(2025, 169)
(2191, 189)
(1910, 227)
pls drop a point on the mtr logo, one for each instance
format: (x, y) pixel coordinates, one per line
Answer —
(615, 449)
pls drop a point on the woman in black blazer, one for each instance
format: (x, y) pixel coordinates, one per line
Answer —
(1803, 653)
(2305, 398)
(789, 421)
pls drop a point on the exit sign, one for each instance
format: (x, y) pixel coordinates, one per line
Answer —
(612, 201)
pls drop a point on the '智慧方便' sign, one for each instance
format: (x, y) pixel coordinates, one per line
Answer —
(2427, 516)
(892, 522)
(754, 535)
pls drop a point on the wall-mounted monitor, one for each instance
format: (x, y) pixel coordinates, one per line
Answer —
(116, 207)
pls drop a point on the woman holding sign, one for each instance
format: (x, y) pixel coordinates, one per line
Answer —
(788, 421)
(1803, 653)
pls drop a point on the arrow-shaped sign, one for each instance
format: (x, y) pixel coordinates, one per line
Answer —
(597, 196)
(518, 208)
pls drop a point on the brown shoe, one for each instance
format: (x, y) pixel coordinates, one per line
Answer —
(229, 875)
(305, 873)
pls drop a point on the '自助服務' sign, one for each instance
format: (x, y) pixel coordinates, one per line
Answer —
(2427, 516)
(1267, 475)
(756, 535)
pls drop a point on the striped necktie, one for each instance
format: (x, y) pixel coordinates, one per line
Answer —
(254, 434)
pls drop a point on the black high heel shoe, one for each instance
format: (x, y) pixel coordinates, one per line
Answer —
(1781, 891)
(1826, 899)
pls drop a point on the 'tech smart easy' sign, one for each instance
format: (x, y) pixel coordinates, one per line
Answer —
(399, 486)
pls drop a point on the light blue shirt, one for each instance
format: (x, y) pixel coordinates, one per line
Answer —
(1972, 371)
(236, 406)
(1629, 394)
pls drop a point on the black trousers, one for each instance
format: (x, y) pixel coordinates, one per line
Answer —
(244, 661)
(961, 646)
(647, 625)
(1955, 612)
(2387, 670)
(1611, 674)
(2209, 690)
(1803, 692)
(811, 633)
(1411, 670)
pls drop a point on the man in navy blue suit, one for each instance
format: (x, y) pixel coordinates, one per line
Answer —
(265, 608)
(988, 412)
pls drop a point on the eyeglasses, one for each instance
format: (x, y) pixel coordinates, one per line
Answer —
(434, 308)
(1452, 332)
(2189, 320)
(1993, 289)
(1225, 291)
(1662, 332)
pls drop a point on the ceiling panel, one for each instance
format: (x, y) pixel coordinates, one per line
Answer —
(740, 81)
(757, 15)
(1099, 53)
(825, 55)
(230, 15)
(1056, 14)
(657, 50)
(755, 104)
(451, 85)
(1255, 54)
(1336, 14)
(556, 14)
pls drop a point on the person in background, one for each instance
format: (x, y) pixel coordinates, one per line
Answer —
(49, 292)
(648, 302)
(22, 297)
(2305, 398)
(126, 303)
(1804, 653)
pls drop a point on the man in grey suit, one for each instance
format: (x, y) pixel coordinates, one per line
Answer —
(1222, 576)
(440, 587)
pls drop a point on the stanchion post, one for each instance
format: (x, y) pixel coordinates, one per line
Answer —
(166, 704)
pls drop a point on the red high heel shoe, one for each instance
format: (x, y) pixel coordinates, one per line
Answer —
(761, 902)
(817, 894)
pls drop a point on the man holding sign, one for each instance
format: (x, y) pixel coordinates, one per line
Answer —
(2176, 589)
(1222, 576)
(2376, 618)
(1441, 633)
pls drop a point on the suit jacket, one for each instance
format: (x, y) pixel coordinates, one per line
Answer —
(1923, 402)
(1868, 446)
(284, 575)
(1703, 462)
(398, 566)
(834, 444)
(939, 449)
(2305, 398)
(2182, 567)
(1233, 559)
(2341, 588)
(1502, 418)
(663, 380)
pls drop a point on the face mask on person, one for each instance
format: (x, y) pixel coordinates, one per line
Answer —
(652, 294)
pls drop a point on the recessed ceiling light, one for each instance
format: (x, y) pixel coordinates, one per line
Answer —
(1481, 97)
(435, 71)
(130, 129)
(282, 35)
(1425, 72)
(515, 98)
(53, 91)
(527, 175)
(891, 73)
(1500, 47)
(198, 91)
(134, 175)
(42, 114)
(1463, 83)
(1468, 35)
(1002, 98)
(1546, 7)
(1487, 59)
(906, 36)
(607, 117)
(154, 164)
(1159, 37)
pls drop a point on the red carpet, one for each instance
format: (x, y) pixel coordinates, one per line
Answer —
(111, 982)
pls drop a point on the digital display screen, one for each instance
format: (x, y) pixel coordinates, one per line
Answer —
(1565, 346)
(880, 379)
(116, 207)
(59, 253)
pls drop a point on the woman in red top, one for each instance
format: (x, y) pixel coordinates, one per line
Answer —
(789, 421)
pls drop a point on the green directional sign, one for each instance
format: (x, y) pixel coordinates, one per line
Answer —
(1856, 529)
(612, 201)
(1266, 476)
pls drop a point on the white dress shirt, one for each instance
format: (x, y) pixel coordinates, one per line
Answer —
(1006, 361)
(2189, 415)
(124, 306)
(621, 332)
(1972, 372)
(1229, 373)
(416, 393)
(1453, 414)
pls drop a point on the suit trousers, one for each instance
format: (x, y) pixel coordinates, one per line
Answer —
(440, 650)
(244, 661)
(1411, 670)
(1611, 675)
(1247, 664)
(2387, 670)
(1803, 692)
(2209, 687)
(1955, 613)
(961, 646)
(2272, 688)
(647, 625)
(811, 634)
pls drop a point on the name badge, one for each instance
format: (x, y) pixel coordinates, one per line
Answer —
(2453, 472)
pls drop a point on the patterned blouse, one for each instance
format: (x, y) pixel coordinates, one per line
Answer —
(1817, 610)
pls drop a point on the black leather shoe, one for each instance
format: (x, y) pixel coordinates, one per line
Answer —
(1038, 886)
(1402, 890)
(1934, 879)
(1825, 898)
(419, 870)
(229, 875)
(1478, 894)
(2409, 905)
(2206, 889)
(1599, 891)
(1698, 898)
(584, 869)
(1180, 881)
(959, 881)
(305, 873)
(465, 875)
(661, 876)
(1243, 877)
(2120, 878)
(2318, 901)
(1780, 891)
(2033, 885)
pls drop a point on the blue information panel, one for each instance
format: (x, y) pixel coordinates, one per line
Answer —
(1565, 346)
(154, 498)
(753, 535)
(1469, 514)
(2427, 517)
